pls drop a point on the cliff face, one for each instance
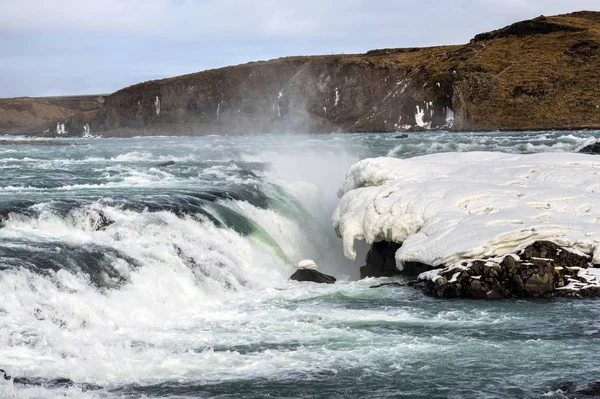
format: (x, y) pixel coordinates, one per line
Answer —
(49, 116)
(537, 74)
(311, 94)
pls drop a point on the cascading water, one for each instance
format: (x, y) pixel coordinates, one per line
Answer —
(123, 278)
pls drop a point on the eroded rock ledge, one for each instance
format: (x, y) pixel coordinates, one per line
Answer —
(542, 269)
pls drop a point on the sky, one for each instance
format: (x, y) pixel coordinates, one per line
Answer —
(67, 47)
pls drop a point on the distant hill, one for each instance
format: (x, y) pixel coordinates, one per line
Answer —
(538, 74)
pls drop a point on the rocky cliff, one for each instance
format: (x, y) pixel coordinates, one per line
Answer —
(537, 74)
(50, 116)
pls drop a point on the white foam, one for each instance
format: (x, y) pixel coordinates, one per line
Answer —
(451, 206)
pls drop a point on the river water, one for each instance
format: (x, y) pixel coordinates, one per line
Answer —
(120, 278)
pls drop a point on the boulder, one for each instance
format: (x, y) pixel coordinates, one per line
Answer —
(591, 149)
(164, 164)
(312, 276)
(98, 220)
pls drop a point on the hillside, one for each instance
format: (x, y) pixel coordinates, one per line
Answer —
(537, 74)
(47, 115)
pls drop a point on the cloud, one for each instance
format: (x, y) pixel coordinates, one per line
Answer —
(266, 18)
(74, 45)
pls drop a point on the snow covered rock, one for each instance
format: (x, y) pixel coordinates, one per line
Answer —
(463, 213)
(541, 269)
(307, 271)
(312, 276)
(445, 208)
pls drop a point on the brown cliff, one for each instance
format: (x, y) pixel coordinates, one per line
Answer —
(49, 116)
(538, 74)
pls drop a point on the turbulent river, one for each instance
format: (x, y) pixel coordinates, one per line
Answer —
(121, 278)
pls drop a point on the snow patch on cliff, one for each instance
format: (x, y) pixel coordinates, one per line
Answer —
(157, 106)
(86, 131)
(449, 118)
(421, 112)
(452, 206)
(60, 128)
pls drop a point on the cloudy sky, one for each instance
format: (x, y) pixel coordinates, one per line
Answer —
(98, 46)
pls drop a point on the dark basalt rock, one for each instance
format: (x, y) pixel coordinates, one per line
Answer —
(591, 149)
(540, 270)
(380, 260)
(99, 220)
(55, 383)
(3, 218)
(312, 276)
(164, 164)
(589, 390)
(389, 285)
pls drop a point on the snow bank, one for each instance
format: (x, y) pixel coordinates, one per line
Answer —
(452, 206)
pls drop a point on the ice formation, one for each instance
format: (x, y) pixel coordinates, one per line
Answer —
(86, 130)
(157, 105)
(307, 264)
(452, 206)
(60, 128)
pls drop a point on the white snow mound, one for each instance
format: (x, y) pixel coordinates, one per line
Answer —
(452, 206)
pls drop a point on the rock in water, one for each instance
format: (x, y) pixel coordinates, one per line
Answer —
(307, 271)
(168, 163)
(380, 260)
(589, 390)
(591, 149)
(313, 276)
(541, 269)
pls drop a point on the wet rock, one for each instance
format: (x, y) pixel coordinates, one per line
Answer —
(164, 164)
(312, 276)
(99, 221)
(381, 260)
(3, 218)
(401, 136)
(60, 382)
(588, 390)
(395, 284)
(591, 149)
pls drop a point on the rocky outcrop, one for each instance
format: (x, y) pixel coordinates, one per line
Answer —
(381, 262)
(573, 390)
(542, 269)
(537, 26)
(532, 75)
(69, 116)
(312, 276)
(591, 149)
